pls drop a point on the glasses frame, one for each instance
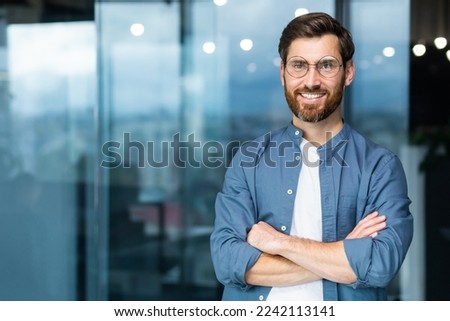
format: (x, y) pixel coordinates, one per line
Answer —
(286, 66)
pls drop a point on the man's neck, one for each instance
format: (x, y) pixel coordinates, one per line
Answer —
(319, 133)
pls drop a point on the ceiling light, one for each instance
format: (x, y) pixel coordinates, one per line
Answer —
(209, 47)
(301, 12)
(137, 29)
(246, 44)
(419, 50)
(389, 52)
(440, 42)
(220, 2)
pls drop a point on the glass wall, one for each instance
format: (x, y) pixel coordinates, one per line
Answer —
(48, 100)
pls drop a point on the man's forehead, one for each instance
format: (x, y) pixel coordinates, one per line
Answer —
(314, 48)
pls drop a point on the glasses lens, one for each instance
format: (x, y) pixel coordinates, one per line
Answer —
(328, 67)
(297, 67)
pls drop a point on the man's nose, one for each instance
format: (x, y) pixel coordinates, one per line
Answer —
(312, 79)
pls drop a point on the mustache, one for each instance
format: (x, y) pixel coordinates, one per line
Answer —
(299, 91)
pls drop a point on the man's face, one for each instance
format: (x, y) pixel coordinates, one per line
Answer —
(314, 97)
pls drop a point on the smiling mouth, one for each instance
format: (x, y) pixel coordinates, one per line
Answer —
(312, 95)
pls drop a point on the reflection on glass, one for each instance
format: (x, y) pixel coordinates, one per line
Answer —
(137, 29)
(51, 99)
(301, 11)
(389, 52)
(246, 44)
(209, 47)
(384, 118)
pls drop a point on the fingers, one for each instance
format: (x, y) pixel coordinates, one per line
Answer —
(373, 230)
(258, 233)
(264, 237)
(368, 226)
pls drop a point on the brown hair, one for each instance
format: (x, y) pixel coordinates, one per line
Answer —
(315, 25)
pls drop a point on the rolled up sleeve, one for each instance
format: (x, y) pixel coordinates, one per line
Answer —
(376, 261)
(232, 256)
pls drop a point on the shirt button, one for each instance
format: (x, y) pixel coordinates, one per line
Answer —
(283, 228)
(289, 191)
(261, 297)
(297, 158)
(297, 132)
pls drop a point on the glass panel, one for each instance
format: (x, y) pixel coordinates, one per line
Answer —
(140, 94)
(48, 97)
(378, 97)
(180, 89)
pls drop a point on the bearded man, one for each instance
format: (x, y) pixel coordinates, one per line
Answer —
(327, 218)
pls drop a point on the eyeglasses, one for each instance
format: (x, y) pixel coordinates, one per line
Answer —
(298, 67)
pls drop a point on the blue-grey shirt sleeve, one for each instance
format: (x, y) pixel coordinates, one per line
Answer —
(235, 214)
(376, 261)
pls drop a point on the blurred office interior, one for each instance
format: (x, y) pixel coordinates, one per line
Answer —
(118, 118)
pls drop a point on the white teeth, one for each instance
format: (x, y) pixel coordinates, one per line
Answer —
(312, 96)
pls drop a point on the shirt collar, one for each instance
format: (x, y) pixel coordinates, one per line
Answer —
(339, 138)
(296, 134)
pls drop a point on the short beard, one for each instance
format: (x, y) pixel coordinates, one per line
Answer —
(331, 105)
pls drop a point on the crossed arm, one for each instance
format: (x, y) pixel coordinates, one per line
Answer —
(289, 260)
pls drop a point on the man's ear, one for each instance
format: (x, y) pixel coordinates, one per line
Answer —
(349, 72)
(282, 73)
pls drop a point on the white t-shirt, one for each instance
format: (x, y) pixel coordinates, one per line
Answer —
(306, 223)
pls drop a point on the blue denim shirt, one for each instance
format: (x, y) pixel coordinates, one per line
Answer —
(357, 177)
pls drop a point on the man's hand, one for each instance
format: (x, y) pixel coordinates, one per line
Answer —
(265, 238)
(368, 226)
